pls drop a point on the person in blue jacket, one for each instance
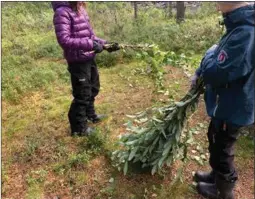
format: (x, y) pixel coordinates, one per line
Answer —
(228, 73)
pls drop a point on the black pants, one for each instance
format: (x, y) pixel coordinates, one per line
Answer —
(222, 138)
(85, 86)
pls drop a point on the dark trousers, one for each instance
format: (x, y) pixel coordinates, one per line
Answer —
(85, 87)
(222, 138)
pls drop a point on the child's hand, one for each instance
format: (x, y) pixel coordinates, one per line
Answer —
(193, 80)
(97, 47)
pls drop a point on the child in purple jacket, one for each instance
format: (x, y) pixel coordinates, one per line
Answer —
(80, 45)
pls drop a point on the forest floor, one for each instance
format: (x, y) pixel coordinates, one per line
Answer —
(41, 160)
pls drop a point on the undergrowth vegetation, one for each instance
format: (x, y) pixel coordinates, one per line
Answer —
(31, 56)
(39, 157)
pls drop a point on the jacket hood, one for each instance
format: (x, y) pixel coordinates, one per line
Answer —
(57, 4)
(241, 16)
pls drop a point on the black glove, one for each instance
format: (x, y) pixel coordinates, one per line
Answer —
(97, 47)
(112, 47)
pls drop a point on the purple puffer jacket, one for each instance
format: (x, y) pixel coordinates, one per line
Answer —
(74, 32)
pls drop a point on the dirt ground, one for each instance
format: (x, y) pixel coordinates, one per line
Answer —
(41, 160)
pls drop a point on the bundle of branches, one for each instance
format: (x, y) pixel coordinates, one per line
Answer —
(157, 141)
(154, 60)
(131, 46)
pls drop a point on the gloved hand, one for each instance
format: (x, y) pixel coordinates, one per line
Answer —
(193, 80)
(208, 54)
(112, 47)
(97, 47)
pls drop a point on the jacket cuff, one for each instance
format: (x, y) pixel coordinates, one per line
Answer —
(101, 41)
(90, 44)
(198, 71)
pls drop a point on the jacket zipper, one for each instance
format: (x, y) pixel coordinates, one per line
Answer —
(215, 109)
(227, 36)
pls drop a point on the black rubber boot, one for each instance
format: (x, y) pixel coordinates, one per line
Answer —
(207, 190)
(225, 188)
(222, 189)
(91, 113)
(208, 177)
(97, 118)
(86, 132)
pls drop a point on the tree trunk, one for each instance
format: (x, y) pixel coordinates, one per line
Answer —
(135, 9)
(170, 7)
(180, 6)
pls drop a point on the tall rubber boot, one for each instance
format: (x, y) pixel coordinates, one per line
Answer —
(208, 177)
(222, 189)
(207, 190)
(225, 188)
(91, 113)
(86, 132)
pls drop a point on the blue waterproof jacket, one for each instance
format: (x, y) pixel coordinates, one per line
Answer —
(228, 70)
